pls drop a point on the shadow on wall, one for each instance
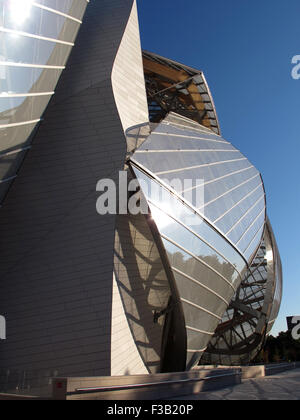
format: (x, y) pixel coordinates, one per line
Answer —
(143, 286)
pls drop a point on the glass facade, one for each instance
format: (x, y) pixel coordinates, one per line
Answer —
(206, 269)
(251, 314)
(36, 39)
(198, 274)
(233, 192)
(218, 248)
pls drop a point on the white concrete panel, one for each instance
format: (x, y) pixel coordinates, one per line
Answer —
(125, 358)
(128, 76)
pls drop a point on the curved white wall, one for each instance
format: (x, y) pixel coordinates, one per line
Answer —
(128, 76)
(129, 90)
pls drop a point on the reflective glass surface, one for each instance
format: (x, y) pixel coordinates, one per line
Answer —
(17, 80)
(252, 312)
(163, 199)
(9, 164)
(26, 50)
(277, 297)
(207, 269)
(69, 7)
(27, 108)
(180, 120)
(233, 193)
(35, 41)
(36, 21)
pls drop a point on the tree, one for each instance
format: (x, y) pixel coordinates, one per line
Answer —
(281, 348)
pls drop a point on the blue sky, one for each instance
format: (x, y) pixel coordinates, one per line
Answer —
(245, 49)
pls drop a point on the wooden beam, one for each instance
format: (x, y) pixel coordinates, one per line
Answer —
(160, 69)
(178, 76)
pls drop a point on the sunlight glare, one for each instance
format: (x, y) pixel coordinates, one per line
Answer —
(20, 10)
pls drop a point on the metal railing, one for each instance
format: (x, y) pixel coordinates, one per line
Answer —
(91, 390)
(27, 382)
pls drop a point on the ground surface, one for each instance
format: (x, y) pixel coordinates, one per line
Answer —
(284, 386)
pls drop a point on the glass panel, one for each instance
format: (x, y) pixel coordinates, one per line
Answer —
(198, 295)
(168, 128)
(69, 7)
(204, 322)
(18, 53)
(14, 137)
(157, 141)
(14, 110)
(228, 184)
(206, 174)
(21, 49)
(183, 162)
(9, 165)
(252, 233)
(202, 262)
(171, 205)
(193, 245)
(249, 218)
(222, 204)
(198, 271)
(257, 292)
(28, 80)
(196, 341)
(174, 118)
(234, 214)
(189, 165)
(36, 21)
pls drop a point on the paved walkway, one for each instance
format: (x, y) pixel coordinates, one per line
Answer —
(284, 386)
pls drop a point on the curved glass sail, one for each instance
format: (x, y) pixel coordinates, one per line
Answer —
(206, 268)
(251, 314)
(208, 204)
(210, 174)
(36, 38)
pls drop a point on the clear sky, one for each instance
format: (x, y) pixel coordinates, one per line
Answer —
(245, 49)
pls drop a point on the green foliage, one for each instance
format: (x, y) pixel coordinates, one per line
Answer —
(281, 348)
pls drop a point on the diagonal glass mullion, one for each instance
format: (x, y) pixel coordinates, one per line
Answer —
(244, 215)
(205, 165)
(195, 234)
(239, 202)
(218, 179)
(252, 224)
(55, 11)
(229, 191)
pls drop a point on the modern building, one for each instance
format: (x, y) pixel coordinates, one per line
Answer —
(192, 281)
